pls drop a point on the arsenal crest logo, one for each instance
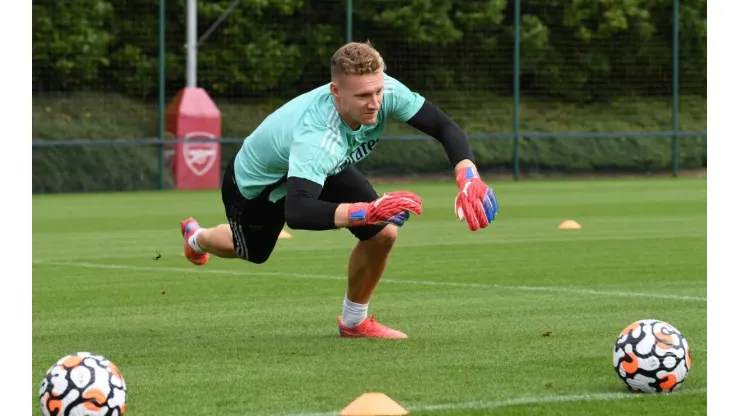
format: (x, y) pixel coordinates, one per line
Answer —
(199, 156)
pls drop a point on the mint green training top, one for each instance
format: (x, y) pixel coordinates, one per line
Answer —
(306, 138)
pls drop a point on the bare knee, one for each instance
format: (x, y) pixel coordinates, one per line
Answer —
(386, 237)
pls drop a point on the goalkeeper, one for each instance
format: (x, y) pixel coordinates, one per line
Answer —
(296, 168)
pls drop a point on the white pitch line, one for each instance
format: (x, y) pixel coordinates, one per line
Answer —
(572, 290)
(525, 400)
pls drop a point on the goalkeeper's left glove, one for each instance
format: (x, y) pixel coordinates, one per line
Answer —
(476, 202)
(390, 208)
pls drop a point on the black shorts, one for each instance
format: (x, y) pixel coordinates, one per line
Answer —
(256, 223)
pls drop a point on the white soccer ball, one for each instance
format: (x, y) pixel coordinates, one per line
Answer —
(651, 356)
(83, 384)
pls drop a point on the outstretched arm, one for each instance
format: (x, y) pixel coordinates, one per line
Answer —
(309, 164)
(476, 202)
(431, 120)
(304, 210)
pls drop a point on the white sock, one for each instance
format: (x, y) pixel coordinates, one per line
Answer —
(193, 241)
(353, 313)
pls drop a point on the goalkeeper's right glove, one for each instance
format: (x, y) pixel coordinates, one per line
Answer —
(475, 203)
(390, 208)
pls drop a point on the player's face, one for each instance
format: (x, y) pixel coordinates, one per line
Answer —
(358, 97)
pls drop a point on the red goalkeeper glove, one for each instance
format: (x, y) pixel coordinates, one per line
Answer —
(476, 202)
(390, 208)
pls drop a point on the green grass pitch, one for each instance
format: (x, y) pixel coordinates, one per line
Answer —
(517, 319)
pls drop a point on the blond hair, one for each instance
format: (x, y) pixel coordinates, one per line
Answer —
(356, 58)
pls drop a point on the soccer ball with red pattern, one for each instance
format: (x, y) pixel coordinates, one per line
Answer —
(83, 384)
(652, 356)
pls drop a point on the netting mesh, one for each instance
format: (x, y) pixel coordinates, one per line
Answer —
(457, 54)
(265, 53)
(692, 64)
(595, 74)
(94, 69)
(586, 68)
(591, 69)
(88, 168)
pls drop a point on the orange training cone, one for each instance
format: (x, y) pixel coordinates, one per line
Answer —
(569, 225)
(373, 404)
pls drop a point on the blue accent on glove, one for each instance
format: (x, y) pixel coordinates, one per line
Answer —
(357, 215)
(469, 174)
(400, 219)
(490, 205)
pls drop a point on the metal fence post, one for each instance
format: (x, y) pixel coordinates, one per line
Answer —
(161, 106)
(675, 87)
(517, 42)
(191, 34)
(348, 17)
